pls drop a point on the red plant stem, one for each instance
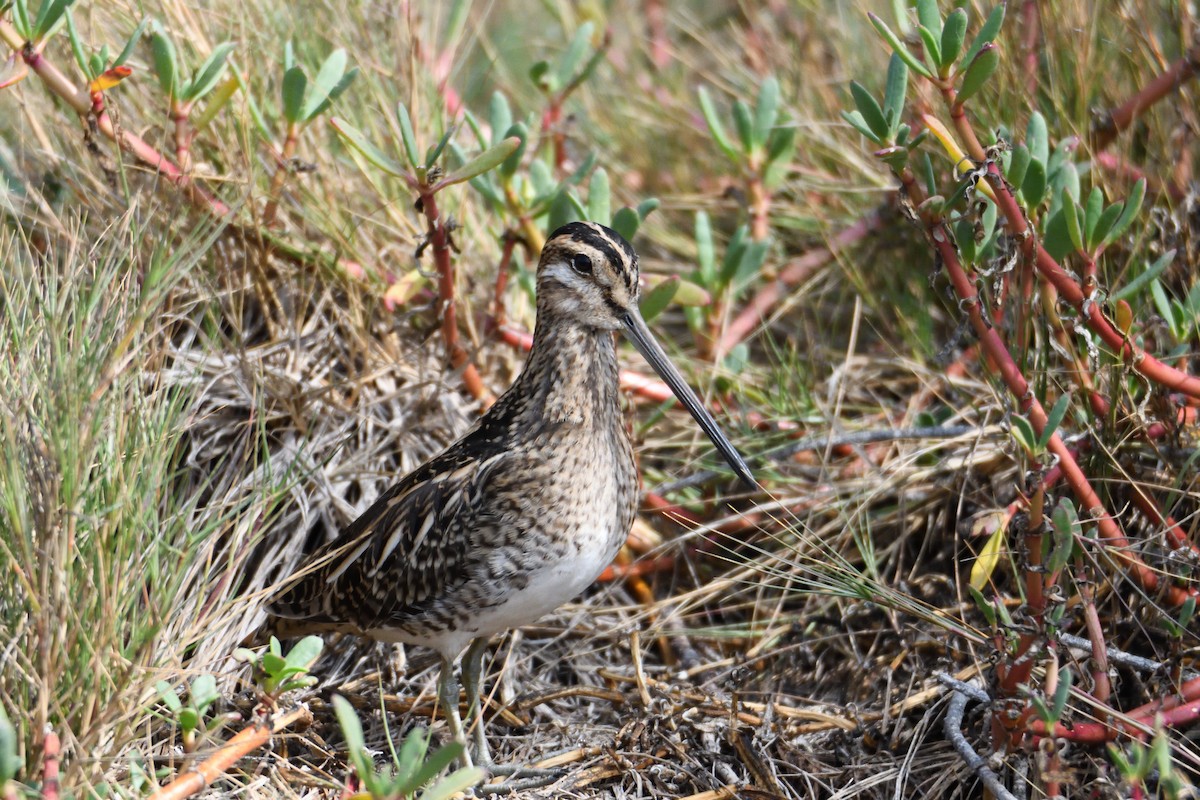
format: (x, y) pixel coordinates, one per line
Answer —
(759, 202)
(183, 136)
(80, 100)
(245, 742)
(797, 270)
(1035, 574)
(1120, 118)
(1176, 711)
(1028, 404)
(499, 313)
(1102, 689)
(1090, 311)
(51, 748)
(552, 124)
(1029, 44)
(439, 242)
(282, 168)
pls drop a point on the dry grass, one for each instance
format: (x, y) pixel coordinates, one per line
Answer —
(247, 405)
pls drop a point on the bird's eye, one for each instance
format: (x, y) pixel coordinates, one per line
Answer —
(581, 264)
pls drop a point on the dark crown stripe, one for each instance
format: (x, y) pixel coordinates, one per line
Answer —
(608, 242)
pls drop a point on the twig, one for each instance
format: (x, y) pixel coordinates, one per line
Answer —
(51, 749)
(439, 241)
(1110, 125)
(796, 271)
(245, 742)
(952, 727)
(80, 100)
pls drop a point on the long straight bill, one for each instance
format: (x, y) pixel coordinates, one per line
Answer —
(643, 340)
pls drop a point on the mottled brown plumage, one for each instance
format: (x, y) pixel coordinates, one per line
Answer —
(527, 508)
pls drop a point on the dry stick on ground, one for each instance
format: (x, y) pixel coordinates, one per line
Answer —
(245, 742)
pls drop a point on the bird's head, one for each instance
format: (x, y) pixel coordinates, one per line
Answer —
(588, 275)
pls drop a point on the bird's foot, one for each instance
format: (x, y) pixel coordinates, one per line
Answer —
(519, 779)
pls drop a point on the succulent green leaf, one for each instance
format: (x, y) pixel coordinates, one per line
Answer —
(1022, 432)
(10, 764)
(435, 152)
(295, 83)
(169, 697)
(1072, 214)
(1061, 693)
(1104, 225)
(373, 154)
(1054, 419)
(626, 222)
(987, 32)
(203, 692)
(599, 198)
(870, 111)
(572, 57)
(289, 55)
(733, 255)
(1092, 211)
(933, 47)
(647, 207)
(1135, 286)
(1037, 138)
(766, 112)
(954, 33)
(964, 236)
(898, 47)
(509, 166)
(131, 43)
(21, 19)
(893, 95)
(706, 263)
(539, 73)
(980, 69)
(781, 146)
(85, 64)
(656, 299)
(434, 764)
(407, 136)
(1056, 234)
(929, 16)
(856, 120)
(305, 652)
(750, 263)
(204, 79)
(744, 125)
(1018, 163)
(487, 160)
(337, 91)
(564, 208)
(1033, 188)
(455, 783)
(189, 719)
(985, 608)
(1133, 205)
(500, 118)
(1065, 528)
(352, 732)
(331, 81)
(165, 63)
(49, 18)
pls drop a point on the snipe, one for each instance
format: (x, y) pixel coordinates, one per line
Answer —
(525, 510)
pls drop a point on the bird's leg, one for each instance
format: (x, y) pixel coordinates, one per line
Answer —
(472, 675)
(520, 777)
(448, 697)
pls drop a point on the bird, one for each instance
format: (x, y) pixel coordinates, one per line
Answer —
(524, 511)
